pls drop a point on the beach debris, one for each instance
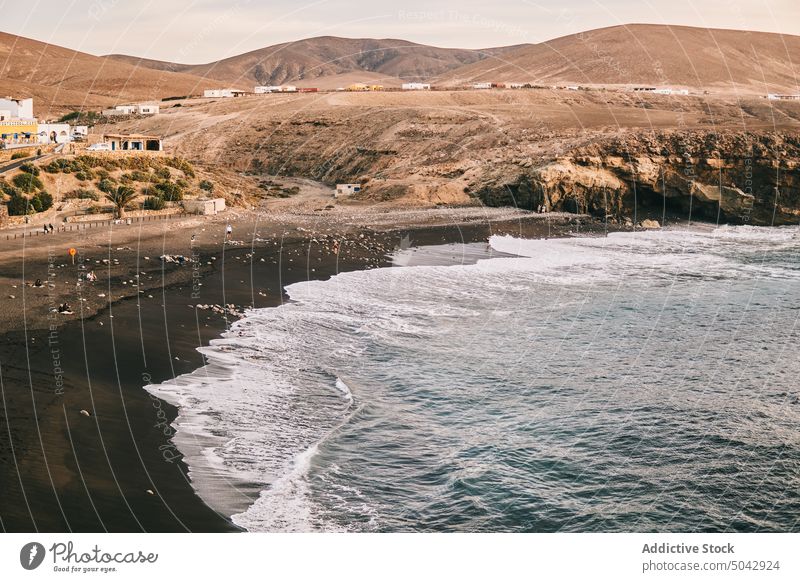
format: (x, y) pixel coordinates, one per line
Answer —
(226, 310)
(650, 224)
(177, 259)
(11, 297)
(150, 492)
(85, 412)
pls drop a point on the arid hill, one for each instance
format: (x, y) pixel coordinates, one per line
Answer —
(649, 54)
(604, 152)
(314, 58)
(60, 79)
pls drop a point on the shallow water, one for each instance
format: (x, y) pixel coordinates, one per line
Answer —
(639, 382)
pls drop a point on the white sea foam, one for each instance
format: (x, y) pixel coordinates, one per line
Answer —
(277, 387)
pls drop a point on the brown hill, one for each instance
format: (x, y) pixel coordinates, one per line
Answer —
(314, 58)
(729, 60)
(60, 79)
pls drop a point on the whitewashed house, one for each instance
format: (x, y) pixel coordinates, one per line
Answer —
(344, 190)
(16, 108)
(223, 93)
(416, 86)
(50, 133)
(205, 206)
(147, 109)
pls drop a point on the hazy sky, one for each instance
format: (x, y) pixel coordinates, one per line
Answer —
(195, 31)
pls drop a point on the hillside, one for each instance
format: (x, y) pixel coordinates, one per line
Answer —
(60, 79)
(682, 56)
(466, 147)
(314, 58)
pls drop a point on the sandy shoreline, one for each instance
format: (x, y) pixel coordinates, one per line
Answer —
(117, 468)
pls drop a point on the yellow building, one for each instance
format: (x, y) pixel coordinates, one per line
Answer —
(18, 132)
(364, 87)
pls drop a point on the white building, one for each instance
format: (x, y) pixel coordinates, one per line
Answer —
(223, 93)
(80, 130)
(343, 190)
(135, 109)
(147, 109)
(11, 108)
(206, 206)
(133, 142)
(54, 133)
(481, 85)
(416, 87)
(275, 89)
(783, 97)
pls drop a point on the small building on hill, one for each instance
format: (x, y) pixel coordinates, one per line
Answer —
(344, 190)
(11, 108)
(783, 97)
(416, 87)
(16, 132)
(50, 133)
(224, 93)
(205, 206)
(133, 142)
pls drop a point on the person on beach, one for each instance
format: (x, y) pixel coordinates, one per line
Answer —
(51, 227)
(38, 283)
(228, 232)
(64, 308)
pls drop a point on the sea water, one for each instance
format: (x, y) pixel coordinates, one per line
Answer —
(636, 382)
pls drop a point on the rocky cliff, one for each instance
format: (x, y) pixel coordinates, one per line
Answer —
(736, 178)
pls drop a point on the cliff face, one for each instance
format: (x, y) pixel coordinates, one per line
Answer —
(736, 178)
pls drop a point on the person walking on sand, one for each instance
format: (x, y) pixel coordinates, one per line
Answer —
(228, 232)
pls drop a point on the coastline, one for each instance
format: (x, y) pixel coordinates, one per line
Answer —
(117, 469)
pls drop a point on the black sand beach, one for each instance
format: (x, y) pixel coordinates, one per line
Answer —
(83, 448)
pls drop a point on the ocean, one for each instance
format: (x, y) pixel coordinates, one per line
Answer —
(636, 382)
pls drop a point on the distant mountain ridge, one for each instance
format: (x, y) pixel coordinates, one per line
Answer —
(733, 60)
(649, 54)
(327, 56)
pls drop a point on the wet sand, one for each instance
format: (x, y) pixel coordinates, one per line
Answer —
(83, 447)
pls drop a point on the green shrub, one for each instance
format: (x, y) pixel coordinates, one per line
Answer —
(82, 194)
(154, 203)
(18, 205)
(18, 155)
(139, 176)
(207, 185)
(42, 201)
(106, 185)
(29, 168)
(70, 117)
(182, 165)
(27, 182)
(84, 175)
(163, 173)
(169, 191)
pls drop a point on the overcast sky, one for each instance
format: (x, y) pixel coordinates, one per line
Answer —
(197, 31)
